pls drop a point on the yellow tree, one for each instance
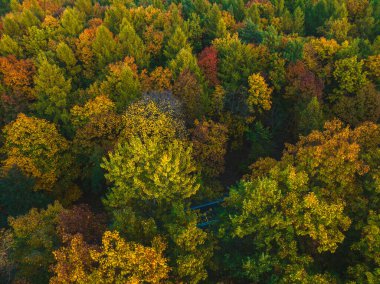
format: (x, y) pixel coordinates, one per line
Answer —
(210, 146)
(37, 149)
(96, 123)
(119, 261)
(145, 119)
(259, 94)
(73, 262)
(116, 261)
(150, 169)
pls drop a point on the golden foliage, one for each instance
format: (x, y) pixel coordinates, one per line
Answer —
(35, 147)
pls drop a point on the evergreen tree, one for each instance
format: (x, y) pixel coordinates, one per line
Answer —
(177, 42)
(52, 90)
(132, 45)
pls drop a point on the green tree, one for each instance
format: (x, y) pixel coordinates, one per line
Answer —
(185, 60)
(72, 21)
(52, 90)
(104, 47)
(214, 24)
(66, 55)
(35, 239)
(9, 46)
(349, 75)
(176, 42)
(298, 21)
(310, 118)
(121, 84)
(132, 45)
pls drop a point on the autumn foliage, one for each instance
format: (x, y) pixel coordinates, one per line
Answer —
(153, 141)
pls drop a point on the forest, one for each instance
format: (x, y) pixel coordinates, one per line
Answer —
(189, 141)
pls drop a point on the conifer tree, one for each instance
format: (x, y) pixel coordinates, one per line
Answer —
(177, 41)
(52, 90)
(132, 45)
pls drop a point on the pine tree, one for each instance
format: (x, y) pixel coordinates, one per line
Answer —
(52, 90)
(298, 21)
(132, 45)
(175, 44)
(104, 47)
(72, 22)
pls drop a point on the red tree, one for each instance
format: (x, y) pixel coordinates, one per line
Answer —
(81, 220)
(302, 81)
(208, 62)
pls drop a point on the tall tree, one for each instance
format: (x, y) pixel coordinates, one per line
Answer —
(52, 90)
(104, 47)
(176, 42)
(132, 45)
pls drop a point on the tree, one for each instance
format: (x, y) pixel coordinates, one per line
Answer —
(369, 248)
(333, 175)
(97, 129)
(8, 46)
(319, 56)
(185, 60)
(52, 90)
(237, 61)
(104, 47)
(115, 16)
(122, 84)
(81, 220)
(208, 62)
(259, 97)
(116, 261)
(210, 146)
(145, 120)
(35, 239)
(278, 212)
(72, 21)
(37, 149)
(132, 45)
(311, 118)
(190, 248)
(189, 90)
(66, 55)
(349, 76)
(360, 107)
(298, 22)
(153, 40)
(73, 262)
(177, 42)
(85, 52)
(96, 124)
(337, 29)
(215, 26)
(120, 261)
(302, 83)
(217, 100)
(150, 170)
(160, 79)
(16, 81)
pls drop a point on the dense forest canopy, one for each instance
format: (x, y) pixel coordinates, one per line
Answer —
(194, 141)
